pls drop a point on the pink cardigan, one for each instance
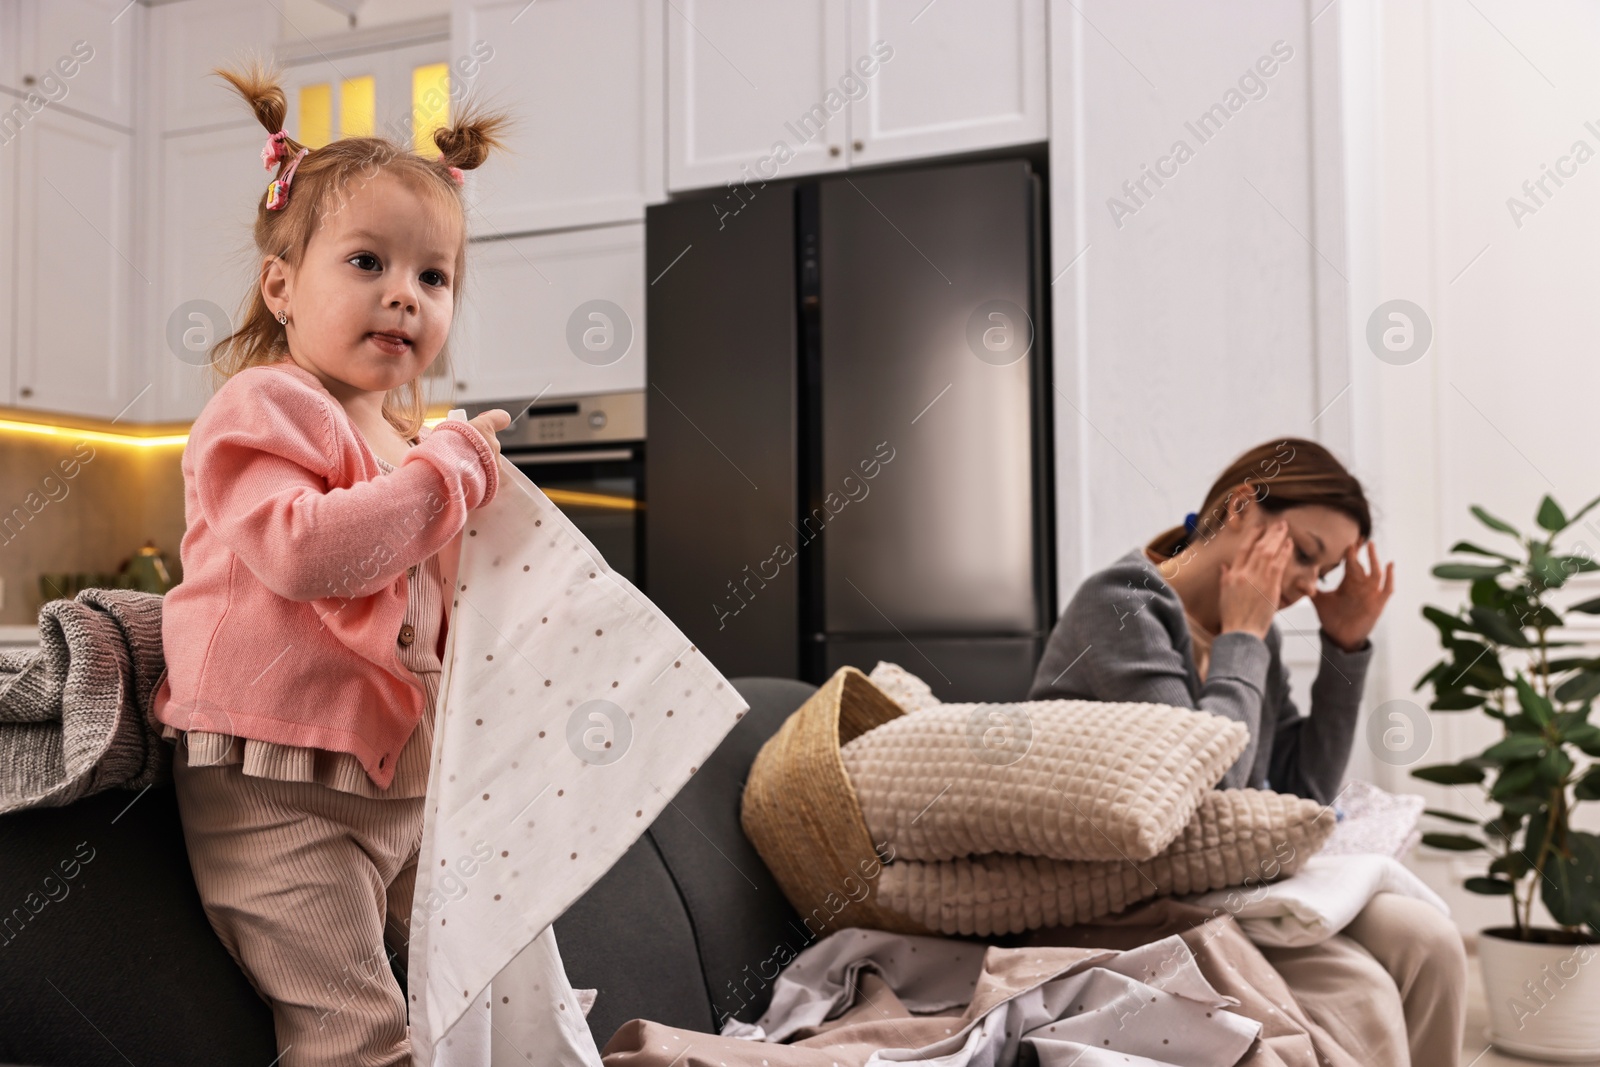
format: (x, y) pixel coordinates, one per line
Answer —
(286, 623)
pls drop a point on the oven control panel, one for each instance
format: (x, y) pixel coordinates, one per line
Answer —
(579, 420)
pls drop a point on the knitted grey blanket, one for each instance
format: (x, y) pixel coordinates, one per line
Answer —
(74, 713)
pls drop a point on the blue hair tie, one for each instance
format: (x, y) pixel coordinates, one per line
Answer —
(1190, 521)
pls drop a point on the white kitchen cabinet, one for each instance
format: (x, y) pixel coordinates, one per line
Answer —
(554, 314)
(963, 75)
(190, 38)
(209, 186)
(79, 55)
(73, 352)
(583, 81)
(753, 90)
(769, 89)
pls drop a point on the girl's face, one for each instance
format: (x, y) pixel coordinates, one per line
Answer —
(1320, 536)
(370, 304)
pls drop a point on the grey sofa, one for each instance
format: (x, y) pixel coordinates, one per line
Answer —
(117, 963)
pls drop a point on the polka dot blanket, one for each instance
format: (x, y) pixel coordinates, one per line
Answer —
(571, 710)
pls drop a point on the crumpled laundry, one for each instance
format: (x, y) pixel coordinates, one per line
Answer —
(1318, 901)
(862, 997)
(570, 711)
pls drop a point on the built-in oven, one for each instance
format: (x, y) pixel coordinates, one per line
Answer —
(586, 453)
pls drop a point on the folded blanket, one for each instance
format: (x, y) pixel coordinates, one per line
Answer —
(74, 713)
(1238, 836)
(1321, 899)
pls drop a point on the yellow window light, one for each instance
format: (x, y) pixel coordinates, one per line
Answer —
(316, 115)
(358, 106)
(430, 105)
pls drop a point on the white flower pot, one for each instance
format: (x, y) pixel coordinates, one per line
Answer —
(1543, 999)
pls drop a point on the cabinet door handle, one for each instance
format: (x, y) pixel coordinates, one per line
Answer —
(858, 146)
(25, 391)
(29, 79)
(833, 150)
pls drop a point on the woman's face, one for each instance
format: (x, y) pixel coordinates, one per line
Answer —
(370, 303)
(1320, 536)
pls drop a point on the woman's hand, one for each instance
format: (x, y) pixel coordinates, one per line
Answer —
(1250, 586)
(1349, 612)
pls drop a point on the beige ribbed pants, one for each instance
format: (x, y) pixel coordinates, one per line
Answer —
(305, 885)
(1391, 988)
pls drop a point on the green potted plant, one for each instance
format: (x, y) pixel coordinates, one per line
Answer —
(1542, 982)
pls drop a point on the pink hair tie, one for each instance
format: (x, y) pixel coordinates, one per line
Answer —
(274, 151)
(278, 191)
(460, 178)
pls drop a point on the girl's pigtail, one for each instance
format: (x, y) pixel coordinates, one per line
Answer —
(465, 144)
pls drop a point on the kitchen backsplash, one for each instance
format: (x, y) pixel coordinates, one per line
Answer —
(78, 505)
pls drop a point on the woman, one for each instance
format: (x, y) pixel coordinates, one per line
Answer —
(1187, 620)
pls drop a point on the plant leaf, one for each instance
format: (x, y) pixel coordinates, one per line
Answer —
(1516, 779)
(1496, 627)
(1586, 736)
(1569, 881)
(1546, 572)
(1468, 572)
(1478, 550)
(1583, 511)
(1588, 787)
(1513, 865)
(1550, 516)
(1449, 774)
(1452, 842)
(1554, 766)
(1533, 705)
(1528, 805)
(1450, 815)
(1494, 523)
(1579, 687)
(1587, 607)
(1516, 747)
(1446, 623)
(1456, 700)
(1489, 887)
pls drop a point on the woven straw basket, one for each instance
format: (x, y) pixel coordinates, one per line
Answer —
(801, 812)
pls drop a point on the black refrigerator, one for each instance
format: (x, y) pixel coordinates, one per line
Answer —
(849, 453)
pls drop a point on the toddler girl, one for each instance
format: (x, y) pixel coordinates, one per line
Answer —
(303, 646)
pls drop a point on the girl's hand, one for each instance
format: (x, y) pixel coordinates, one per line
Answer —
(1349, 612)
(490, 423)
(1251, 585)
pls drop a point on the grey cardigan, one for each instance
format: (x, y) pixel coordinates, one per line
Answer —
(1124, 637)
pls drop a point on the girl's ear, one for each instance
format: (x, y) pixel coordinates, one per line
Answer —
(275, 281)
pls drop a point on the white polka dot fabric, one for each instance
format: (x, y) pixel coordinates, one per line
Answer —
(1064, 779)
(571, 710)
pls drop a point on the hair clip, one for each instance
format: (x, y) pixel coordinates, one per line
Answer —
(457, 175)
(278, 190)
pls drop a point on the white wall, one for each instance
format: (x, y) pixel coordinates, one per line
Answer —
(1211, 318)
(1450, 108)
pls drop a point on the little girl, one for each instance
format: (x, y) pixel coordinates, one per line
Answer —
(303, 646)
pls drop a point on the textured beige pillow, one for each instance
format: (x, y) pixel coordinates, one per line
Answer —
(1237, 836)
(902, 687)
(1061, 779)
